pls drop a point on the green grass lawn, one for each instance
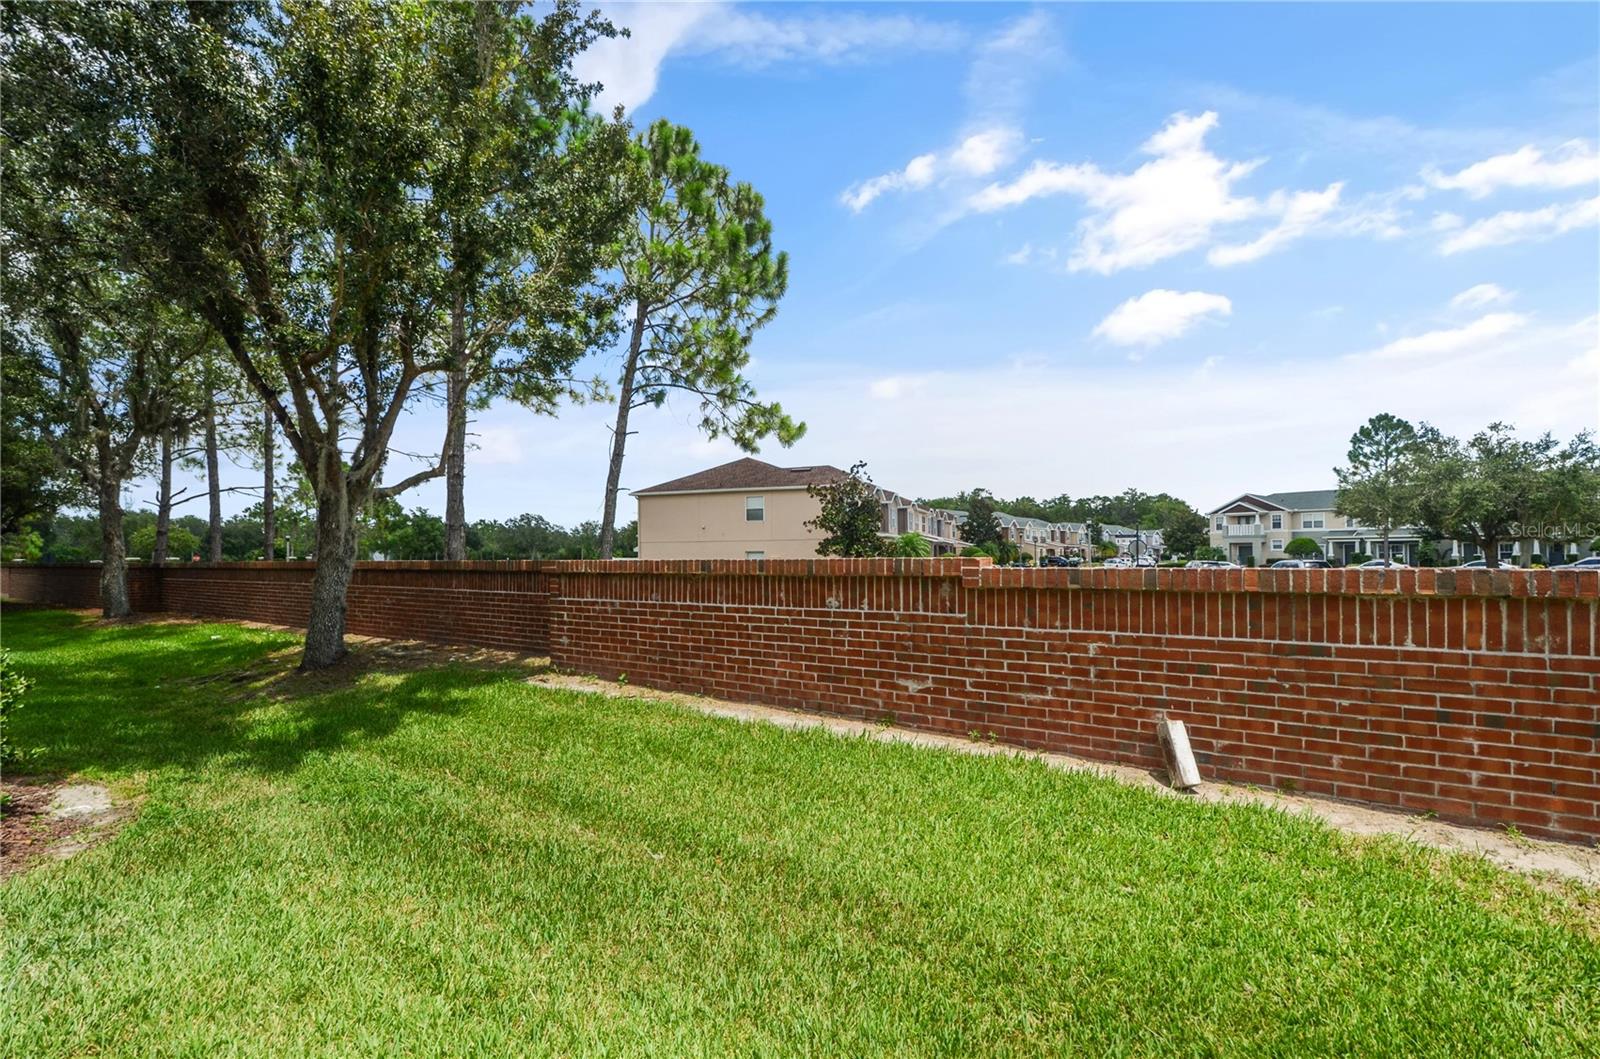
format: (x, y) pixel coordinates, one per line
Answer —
(452, 861)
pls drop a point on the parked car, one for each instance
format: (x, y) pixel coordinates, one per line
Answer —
(1588, 562)
(1211, 564)
(1055, 560)
(1119, 561)
(1145, 560)
(1384, 564)
(1302, 564)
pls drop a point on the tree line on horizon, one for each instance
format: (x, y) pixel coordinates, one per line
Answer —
(269, 230)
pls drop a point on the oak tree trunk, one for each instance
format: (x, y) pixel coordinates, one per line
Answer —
(114, 602)
(619, 437)
(336, 562)
(213, 485)
(158, 555)
(268, 530)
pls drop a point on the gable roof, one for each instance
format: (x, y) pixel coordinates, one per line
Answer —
(1304, 500)
(747, 474)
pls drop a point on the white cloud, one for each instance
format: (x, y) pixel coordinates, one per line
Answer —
(1028, 254)
(982, 153)
(627, 68)
(1521, 226)
(1159, 315)
(1301, 212)
(1003, 73)
(998, 83)
(894, 387)
(630, 67)
(918, 173)
(1573, 164)
(977, 155)
(1479, 296)
(1169, 205)
(1449, 342)
(1446, 222)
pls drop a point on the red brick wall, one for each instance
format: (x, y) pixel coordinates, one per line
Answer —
(493, 604)
(76, 586)
(1473, 694)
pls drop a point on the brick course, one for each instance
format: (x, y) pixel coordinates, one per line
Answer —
(1472, 694)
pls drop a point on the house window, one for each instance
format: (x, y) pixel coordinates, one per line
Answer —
(1277, 544)
(1221, 522)
(1311, 523)
(1277, 522)
(755, 555)
(755, 509)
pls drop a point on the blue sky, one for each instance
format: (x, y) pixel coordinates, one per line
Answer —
(1072, 249)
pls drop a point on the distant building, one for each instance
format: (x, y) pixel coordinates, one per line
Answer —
(1259, 526)
(749, 509)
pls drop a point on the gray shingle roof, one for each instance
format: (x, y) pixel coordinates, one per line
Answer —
(1305, 500)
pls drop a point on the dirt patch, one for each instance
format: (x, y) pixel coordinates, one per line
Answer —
(52, 819)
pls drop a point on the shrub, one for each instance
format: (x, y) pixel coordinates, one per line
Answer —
(910, 546)
(13, 686)
(1302, 548)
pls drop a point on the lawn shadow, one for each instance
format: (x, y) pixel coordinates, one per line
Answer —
(114, 698)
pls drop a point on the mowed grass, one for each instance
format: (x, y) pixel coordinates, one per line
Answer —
(451, 861)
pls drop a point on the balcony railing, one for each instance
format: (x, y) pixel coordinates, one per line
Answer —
(1249, 529)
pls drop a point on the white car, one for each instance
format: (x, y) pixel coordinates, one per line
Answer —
(1384, 564)
(1211, 564)
(1588, 562)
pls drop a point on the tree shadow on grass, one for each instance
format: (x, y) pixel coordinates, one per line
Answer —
(115, 699)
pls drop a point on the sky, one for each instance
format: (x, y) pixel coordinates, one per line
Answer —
(1076, 249)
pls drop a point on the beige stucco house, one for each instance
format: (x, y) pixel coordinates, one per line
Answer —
(749, 509)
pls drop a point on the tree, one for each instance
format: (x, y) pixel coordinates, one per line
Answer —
(701, 274)
(1378, 487)
(1183, 529)
(911, 546)
(1566, 498)
(180, 541)
(1302, 548)
(529, 202)
(100, 347)
(981, 526)
(851, 515)
(33, 485)
(1484, 490)
(289, 174)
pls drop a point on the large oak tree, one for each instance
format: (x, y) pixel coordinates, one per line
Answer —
(289, 167)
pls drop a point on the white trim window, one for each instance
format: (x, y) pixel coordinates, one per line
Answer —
(1310, 522)
(755, 555)
(1277, 522)
(1277, 544)
(755, 509)
(1222, 522)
